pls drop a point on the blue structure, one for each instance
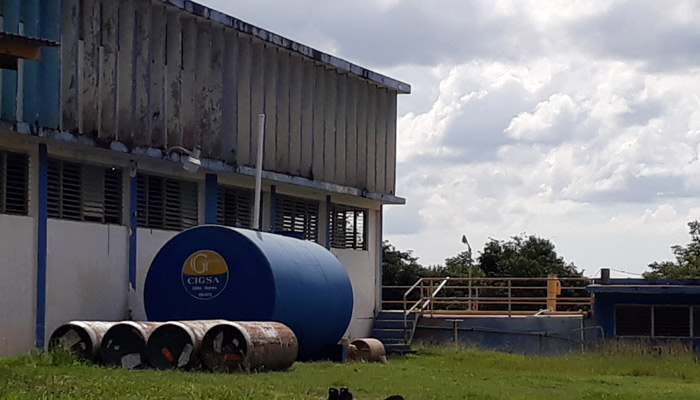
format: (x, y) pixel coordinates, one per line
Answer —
(217, 272)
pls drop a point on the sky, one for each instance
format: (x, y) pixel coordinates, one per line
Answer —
(576, 121)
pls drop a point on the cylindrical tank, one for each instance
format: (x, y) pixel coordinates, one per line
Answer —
(176, 344)
(81, 337)
(367, 349)
(233, 346)
(124, 344)
(217, 272)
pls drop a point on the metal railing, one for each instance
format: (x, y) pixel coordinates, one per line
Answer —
(490, 296)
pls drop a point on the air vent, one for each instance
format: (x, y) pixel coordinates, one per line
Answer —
(165, 203)
(347, 227)
(234, 207)
(14, 183)
(297, 215)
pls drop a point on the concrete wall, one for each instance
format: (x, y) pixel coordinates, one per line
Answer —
(18, 284)
(149, 241)
(87, 272)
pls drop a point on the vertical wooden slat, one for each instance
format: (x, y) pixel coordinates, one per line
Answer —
(216, 92)
(89, 66)
(317, 166)
(340, 130)
(257, 87)
(157, 76)
(187, 109)
(244, 130)
(362, 106)
(351, 133)
(331, 104)
(372, 138)
(391, 137)
(142, 61)
(295, 113)
(29, 84)
(308, 82)
(270, 107)
(173, 82)
(380, 140)
(203, 70)
(229, 98)
(125, 72)
(283, 125)
(108, 72)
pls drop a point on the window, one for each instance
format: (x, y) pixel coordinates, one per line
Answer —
(165, 203)
(347, 227)
(82, 192)
(14, 183)
(297, 216)
(656, 321)
(234, 207)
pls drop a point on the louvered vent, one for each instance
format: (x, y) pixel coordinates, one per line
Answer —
(673, 321)
(632, 320)
(347, 227)
(82, 192)
(165, 203)
(297, 215)
(235, 207)
(14, 183)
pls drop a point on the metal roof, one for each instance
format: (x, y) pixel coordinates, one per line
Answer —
(645, 289)
(270, 37)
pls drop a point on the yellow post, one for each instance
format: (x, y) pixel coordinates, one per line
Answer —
(553, 290)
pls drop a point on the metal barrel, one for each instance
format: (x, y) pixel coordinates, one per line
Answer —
(367, 349)
(81, 337)
(256, 346)
(124, 344)
(176, 344)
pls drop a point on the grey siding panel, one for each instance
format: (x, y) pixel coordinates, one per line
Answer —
(189, 68)
(202, 90)
(351, 133)
(270, 107)
(329, 138)
(69, 72)
(391, 145)
(362, 107)
(380, 140)
(245, 65)
(157, 77)
(372, 103)
(308, 118)
(282, 152)
(89, 67)
(142, 68)
(108, 72)
(340, 127)
(229, 97)
(319, 108)
(173, 80)
(125, 72)
(296, 89)
(214, 134)
(257, 94)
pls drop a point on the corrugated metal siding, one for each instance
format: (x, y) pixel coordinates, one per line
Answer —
(157, 73)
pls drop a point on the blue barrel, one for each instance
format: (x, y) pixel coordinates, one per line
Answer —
(217, 272)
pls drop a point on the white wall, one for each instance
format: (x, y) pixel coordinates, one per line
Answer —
(87, 272)
(17, 285)
(148, 242)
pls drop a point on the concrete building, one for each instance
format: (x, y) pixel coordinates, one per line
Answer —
(91, 136)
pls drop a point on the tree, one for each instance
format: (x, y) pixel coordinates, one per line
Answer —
(400, 268)
(523, 256)
(687, 264)
(462, 265)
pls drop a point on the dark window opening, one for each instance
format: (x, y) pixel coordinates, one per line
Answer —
(165, 203)
(234, 207)
(14, 183)
(347, 227)
(632, 320)
(297, 215)
(672, 321)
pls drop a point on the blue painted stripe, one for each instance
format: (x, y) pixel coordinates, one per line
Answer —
(211, 193)
(273, 208)
(49, 74)
(133, 225)
(42, 202)
(328, 225)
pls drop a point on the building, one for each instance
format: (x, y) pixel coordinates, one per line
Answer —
(92, 133)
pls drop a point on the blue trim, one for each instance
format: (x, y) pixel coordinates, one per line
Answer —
(133, 226)
(30, 18)
(8, 110)
(328, 223)
(211, 193)
(273, 207)
(49, 74)
(42, 202)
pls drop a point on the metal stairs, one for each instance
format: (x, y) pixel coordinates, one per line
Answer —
(389, 329)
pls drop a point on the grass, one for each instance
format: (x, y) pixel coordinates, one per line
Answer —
(443, 373)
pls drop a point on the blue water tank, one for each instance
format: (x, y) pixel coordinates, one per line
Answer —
(217, 272)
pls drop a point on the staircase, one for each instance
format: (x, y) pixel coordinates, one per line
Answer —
(389, 329)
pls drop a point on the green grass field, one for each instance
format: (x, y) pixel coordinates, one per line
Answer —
(432, 373)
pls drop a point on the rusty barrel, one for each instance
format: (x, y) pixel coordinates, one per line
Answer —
(124, 344)
(232, 346)
(367, 349)
(81, 337)
(176, 344)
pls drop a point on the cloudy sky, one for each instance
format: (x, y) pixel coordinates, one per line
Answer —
(577, 121)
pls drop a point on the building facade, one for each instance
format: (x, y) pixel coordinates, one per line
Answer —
(91, 137)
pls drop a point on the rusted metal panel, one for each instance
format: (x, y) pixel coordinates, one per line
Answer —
(173, 80)
(257, 95)
(201, 77)
(372, 105)
(108, 72)
(295, 114)
(142, 74)
(362, 107)
(125, 72)
(244, 131)
(380, 143)
(319, 109)
(307, 118)
(229, 98)
(351, 133)
(189, 70)
(283, 112)
(340, 128)
(89, 66)
(270, 107)
(391, 144)
(176, 344)
(367, 349)
(124, 344)
(81, 337)
(69, 68)
(213, 142)
(331, 105)
(157, 76)
(249, 346)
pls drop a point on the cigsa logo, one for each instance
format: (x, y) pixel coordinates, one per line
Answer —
(204, 274)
